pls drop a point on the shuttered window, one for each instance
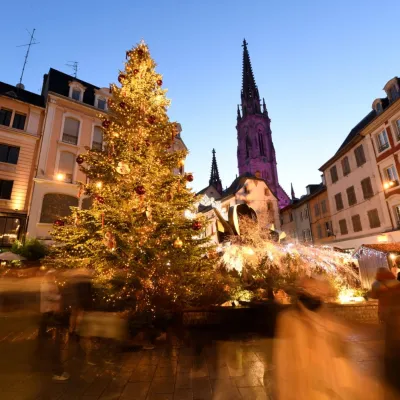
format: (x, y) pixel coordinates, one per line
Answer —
(373, 218)
(356, 221)
(343, 227)
(346, 166)
(339, 201)
(367, 188)
(351, 196)
(360, 156)
(334, 174)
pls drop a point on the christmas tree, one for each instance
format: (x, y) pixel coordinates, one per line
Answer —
(135, 236)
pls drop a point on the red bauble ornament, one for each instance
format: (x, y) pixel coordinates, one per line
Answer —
(59, 222)
(151, 119)
(106, 123)
(129, 54)
(100, 199)
(80, 160)
(140, 190)
(159, 82)
(140, 53)
(189, 177)
(121, 77)
(135, 71)
(110, 102)
(122, 105)
(197, 225)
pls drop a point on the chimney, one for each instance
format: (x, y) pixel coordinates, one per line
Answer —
(20, 86)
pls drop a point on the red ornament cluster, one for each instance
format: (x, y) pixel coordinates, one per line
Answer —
(80, 160)
(151, 119)
(159, 82)
(122, 105)
(121, 77)
(135, 71)
(140, 53)
(140, 190)
(106, 123)
(189, 177)
(59, 222)
(197, 225)
(99, 199)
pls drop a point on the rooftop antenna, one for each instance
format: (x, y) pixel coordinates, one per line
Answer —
(31, 43)
(74, 66)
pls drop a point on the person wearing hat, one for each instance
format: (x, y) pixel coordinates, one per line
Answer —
(310, 352)
(50, 308)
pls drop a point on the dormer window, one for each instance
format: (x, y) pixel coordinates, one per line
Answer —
(393, 93)
(378, 108)
(76, 91)
(76, 94)
(392, 89)
(101, 103)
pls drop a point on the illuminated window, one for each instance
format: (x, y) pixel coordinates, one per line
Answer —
(66, 166)
(97, 143)
(71, 131)
(56, 206)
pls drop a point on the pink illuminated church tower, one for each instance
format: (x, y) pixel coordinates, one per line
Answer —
(256, 153)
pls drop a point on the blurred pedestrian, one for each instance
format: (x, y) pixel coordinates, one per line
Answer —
(380, 290)
(50, 308)
(310, 351)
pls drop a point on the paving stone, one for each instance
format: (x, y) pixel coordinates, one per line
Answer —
(162, 385)
(135, 391)
(165, 372)
(247, 381)
(183, 394)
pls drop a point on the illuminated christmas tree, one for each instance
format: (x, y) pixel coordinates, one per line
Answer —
(135, 236)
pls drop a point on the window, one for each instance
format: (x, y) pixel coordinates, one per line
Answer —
(306, 213)
(328, 228)
(19, 121)
(356, 221)
(334, 174)
(306, 235)
(56, 206)
(391, 174)
(9, 154)
(373, 218)
(266, 192)
(87, 203)
(6, 189)
(360, 156)
(97, 138)
(351, 196)
(346, 166)
(301, 215)
(101, 103)
(269, 206)
(343, 227)
(339, 201)
(66, 166)
(316, 210)
(383, 141)
(367, 188)
(397, 212)
(10, 229)
(319, 231)
(393, 94)
(71, 131)
(323, 206)
(76, 94)
(398, 128)
(378, 108)
(290, 217)
(5, 117)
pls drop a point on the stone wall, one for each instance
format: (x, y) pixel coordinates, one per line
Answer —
(366, 313)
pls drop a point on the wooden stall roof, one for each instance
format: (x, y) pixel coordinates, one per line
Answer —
(384, 247)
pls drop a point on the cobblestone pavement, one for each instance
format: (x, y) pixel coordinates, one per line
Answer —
(199, 367)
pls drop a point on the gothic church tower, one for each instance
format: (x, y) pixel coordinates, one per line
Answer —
(256, 152)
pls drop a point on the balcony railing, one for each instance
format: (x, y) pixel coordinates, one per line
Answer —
(71, 139)
(383, 147)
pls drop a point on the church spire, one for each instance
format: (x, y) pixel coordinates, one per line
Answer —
(250, 95)
(292, 191)
(214, 177)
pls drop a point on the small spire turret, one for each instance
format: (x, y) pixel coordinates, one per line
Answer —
(214, 177)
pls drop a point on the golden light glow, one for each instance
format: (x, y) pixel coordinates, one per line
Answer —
(60, 177)
(382, 239)
(386, 185)
(393, 256)
(99, 184)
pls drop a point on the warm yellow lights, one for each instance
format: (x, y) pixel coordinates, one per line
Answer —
(388, 185)
(60, 176)
(393, 256)
(99, 184)
(382, 239)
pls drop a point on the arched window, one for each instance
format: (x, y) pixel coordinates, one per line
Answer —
(97, 143)
(261, 142)
(248, 147)
(71, 130)
(76, 94)
(56, 206)
(66, 167)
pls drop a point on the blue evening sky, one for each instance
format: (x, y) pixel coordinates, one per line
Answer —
(318, 63)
